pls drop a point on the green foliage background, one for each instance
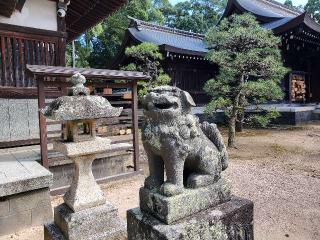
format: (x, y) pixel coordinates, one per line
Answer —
(97, 47)
(146, 58)
(313, 8)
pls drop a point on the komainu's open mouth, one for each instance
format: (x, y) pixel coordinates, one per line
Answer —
(166, 105)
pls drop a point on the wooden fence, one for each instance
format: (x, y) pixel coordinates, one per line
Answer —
(21, 46)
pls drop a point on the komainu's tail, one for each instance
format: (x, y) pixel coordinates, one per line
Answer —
(212, 132)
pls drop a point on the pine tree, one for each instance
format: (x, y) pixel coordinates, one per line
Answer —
(250, 64)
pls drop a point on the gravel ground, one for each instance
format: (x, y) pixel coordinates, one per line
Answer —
(278, 169)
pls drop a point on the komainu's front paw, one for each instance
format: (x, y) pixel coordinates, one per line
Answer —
(169, 189)
(152, 183)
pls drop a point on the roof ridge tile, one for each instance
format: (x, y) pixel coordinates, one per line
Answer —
(137, 23)
(283, 6)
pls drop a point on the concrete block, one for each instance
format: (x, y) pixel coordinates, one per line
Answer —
(30, 200)
(171, 209)
(42, 214)
(232, 220)
(15, 222)
(24, 210)
(4, 207)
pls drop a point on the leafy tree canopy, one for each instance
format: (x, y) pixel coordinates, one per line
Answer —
(98, 46)
(250, 67)
(313, 8)
(288, 3)
(196, 15)
(146, 58)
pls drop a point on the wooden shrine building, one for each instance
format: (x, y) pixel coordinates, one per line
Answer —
(184, 52)
(300, 46)
(36, 32)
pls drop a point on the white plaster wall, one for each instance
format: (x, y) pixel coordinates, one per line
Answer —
(41, 14)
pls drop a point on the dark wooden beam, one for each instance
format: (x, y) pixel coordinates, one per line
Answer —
(16, 30)
(42, 124)
(7, 7)
(20, 5)
(135, 126)
(26, 92)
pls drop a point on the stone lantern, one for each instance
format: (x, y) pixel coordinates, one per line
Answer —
(84, 203)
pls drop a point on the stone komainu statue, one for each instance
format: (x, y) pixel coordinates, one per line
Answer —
(192, 153)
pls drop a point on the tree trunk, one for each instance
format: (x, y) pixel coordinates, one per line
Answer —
(239, 122)
(232, 131)
(240, 115)
(232, 123)
(233, 117)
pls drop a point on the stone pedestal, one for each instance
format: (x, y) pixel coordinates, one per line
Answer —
(171, 209)
(84, 192)
(232, 220)
(85, 213)
(98, 223)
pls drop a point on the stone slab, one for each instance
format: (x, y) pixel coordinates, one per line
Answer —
(5, 120)
(52, 232)
(17, 176)
(33, 118)
(19, 126)
(171, 209)
(232, 220)
(100, 222)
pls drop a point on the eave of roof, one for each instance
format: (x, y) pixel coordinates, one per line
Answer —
(8, 7)
(169, 39)
(273, 15)
(84, 14)
(264, 10)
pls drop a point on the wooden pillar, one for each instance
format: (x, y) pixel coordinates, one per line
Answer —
(42, 123)
(135, 127)
(61, 58)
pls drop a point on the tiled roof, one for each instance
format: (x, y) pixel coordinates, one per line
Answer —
(277, 23)
(268, 8)
(169, 39)
(272, 14)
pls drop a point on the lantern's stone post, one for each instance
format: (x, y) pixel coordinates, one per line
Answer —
(193, 202)
(85, 213)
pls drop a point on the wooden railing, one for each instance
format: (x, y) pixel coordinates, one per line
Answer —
(20, 46)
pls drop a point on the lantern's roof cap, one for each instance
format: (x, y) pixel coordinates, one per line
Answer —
(80, 107)
(79, 104)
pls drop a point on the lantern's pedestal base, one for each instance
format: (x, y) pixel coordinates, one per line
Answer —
(232, 220)
(97, 223)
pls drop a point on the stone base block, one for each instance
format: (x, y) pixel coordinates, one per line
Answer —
(232, 220)
(98, 223)
(171, 209)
